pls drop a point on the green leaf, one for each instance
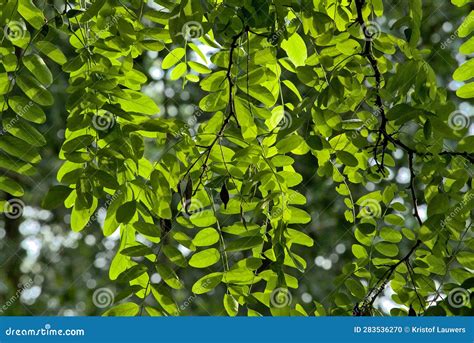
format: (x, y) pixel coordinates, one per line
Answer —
(173, 57)
(205, 258)
(132, 101)
(298, 216)
(132, 273)
(51, 51)
(106, 180)
(465, 71)
(245, 119)
(5, 83)
(356, 288)
(31, 13)
(359, 251)
(24, 131)
(387, 249)
(15, 165)
(244, 243)
(207, 283)
(147, 229)
(55, 197)
(38, 68)
(80, 217)
(123, 310)
(347, 158)
(240, 276)
(348, 47)
(77, 143)
(460, 3)
(231, 305)
(178, 71)
(390, 235)
(198, 67)
(203, 219)
(34, 90)
(436, 265)
(175, 256)
(11, 187)
(467, 26)
(206, 237)
(18, 148)
(93, 10)
(164, 297)
(467, 47)
(295, 48)
(137, 250)
(298, 237)
(27, 109)
(126, 212)
(111, 224)
(169, 276)
(466, 91)
(289, 143)
(466, 259)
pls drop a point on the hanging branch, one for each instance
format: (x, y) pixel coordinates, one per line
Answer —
(412, 188)
(411, 273)
(207, 151)
(383, 137)
(377, 289)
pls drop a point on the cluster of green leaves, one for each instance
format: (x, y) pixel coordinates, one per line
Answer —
(24, 82)
(279, 81)
(465, 72)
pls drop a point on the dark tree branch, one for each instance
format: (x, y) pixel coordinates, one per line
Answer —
(207, 151)
(411, 272)
(467, 156)
(383, 137)
(412, 187)
(378, 288)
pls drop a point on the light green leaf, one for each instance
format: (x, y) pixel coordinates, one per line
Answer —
(231, 305)
(173, 57)
(128, 309)
(52, 51)
(205, 258)
(31, 13)
(206, 237)
(295, 48)
(203, 219)
(10, 186)
(38, 68)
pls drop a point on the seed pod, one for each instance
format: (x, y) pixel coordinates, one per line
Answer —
(224, 195)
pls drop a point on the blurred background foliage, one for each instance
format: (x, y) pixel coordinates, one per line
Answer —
(46, 269)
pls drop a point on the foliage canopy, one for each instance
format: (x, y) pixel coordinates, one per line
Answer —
(278, 80)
